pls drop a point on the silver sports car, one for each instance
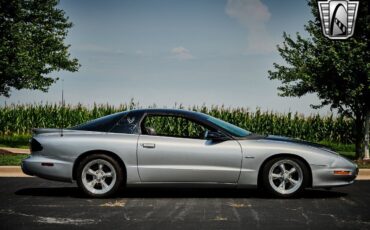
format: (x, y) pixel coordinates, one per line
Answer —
(177, 147)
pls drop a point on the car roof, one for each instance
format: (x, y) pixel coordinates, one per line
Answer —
(179, 112)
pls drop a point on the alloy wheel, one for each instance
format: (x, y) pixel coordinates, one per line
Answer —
(99, 176)
(285, 176)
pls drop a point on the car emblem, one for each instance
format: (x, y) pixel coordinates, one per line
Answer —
(338, 18)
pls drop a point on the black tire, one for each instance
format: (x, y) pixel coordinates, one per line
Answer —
(112, 163)
(301, 171)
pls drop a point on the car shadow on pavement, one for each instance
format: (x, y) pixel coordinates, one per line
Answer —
(75, 192)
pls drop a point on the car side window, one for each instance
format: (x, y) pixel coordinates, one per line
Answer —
(128, 124)
(172, 126)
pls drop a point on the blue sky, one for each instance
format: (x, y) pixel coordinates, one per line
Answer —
(164, 52)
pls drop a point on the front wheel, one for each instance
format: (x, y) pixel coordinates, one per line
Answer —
(99, 175)
(285, 176)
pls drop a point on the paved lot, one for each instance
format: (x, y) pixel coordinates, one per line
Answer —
(30, 203)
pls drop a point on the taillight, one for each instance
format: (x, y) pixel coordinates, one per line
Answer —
(35, 145)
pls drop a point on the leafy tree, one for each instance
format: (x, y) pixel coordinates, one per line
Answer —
(32, 34)
(336, 70)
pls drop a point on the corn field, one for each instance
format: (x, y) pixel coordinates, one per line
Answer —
(21, 118)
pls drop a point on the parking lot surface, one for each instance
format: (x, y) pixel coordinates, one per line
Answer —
(32, 203)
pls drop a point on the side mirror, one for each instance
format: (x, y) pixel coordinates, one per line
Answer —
(216, 136)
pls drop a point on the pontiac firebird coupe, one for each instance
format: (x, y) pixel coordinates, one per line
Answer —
(140, 148)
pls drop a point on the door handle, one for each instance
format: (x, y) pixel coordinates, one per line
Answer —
(148, 145)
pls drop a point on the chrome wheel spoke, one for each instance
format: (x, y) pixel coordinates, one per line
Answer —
(282, 167)
(91, 172)
(100, 166)
(282, 186)
(292, 170)
(104, 185)
(292, 181)
(108, 174)
(92, 183)
(276, 176)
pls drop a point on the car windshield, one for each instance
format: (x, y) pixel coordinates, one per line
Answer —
(233, 129)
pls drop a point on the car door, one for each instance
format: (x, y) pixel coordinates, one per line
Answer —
(174, 158)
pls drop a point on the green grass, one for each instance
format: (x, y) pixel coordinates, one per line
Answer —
(14, 141)
(11, 159)
(339, 147)
(346, 150)
(349, 155)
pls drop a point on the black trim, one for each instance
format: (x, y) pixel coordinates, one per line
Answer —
(35, 145)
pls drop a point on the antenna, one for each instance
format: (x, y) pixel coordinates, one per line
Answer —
(61, 130)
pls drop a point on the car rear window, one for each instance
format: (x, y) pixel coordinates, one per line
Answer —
(103, 124)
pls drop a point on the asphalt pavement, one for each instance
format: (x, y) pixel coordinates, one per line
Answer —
(32, 203)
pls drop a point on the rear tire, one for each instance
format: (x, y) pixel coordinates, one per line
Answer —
(99, 175)
(285, 176)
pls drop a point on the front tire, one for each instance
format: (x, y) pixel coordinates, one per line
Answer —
(99, 175)
(285, 176)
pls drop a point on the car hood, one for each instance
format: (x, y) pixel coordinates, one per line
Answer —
(297, 141)
(292, 140)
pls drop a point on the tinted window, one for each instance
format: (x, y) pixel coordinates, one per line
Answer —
(172, 126)
(103, 124)
(233, 129)
(128, 124)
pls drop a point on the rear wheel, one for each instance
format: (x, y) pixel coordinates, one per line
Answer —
(285, 176)
(99, 175)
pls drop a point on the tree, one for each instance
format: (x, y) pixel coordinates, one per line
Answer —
(336, 70)
(32, 34)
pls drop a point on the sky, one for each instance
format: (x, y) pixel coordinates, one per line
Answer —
(167, 52)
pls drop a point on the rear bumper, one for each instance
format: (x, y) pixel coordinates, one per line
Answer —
(47, 168)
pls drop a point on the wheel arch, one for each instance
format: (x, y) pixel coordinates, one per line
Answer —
(108, 153)
(259, 180)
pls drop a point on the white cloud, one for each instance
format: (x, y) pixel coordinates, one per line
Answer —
(253, 15)
(181, 53)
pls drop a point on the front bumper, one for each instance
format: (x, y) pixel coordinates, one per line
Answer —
(324, 176)
(47, 168)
